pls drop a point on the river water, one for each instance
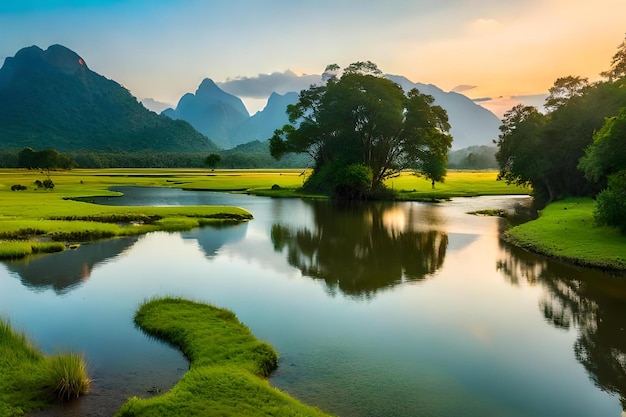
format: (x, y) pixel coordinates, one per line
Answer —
(382, 309)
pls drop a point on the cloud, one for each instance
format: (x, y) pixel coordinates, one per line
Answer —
(263, 85)
(501, 105)
(463, 87)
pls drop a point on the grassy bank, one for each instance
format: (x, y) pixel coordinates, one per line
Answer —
(30, 380)
(566, 230)
(38, 220)
(227, 365)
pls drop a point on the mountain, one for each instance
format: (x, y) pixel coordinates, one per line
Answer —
(471, 124)
(211, 111)
(51, 99)
(219, 115)
(261, 126)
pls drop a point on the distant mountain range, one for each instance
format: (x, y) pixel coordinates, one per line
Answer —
(51, 99)
(222, 116)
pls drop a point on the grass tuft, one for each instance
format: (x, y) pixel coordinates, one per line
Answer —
(31, 381)
(69, 372)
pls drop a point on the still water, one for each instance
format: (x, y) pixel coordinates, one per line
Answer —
(391, 309)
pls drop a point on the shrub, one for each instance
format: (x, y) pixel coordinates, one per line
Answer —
(18, 187)
(48, 184)
(611, 203)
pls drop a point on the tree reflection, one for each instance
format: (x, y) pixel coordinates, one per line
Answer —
(591, 301)
(361, 249)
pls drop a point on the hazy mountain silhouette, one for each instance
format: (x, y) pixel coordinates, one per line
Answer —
(212, 111)
(209, 112)
(261, 126)
(51, 99)
(471, 124)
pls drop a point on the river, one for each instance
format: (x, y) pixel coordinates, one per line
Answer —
(382, 309)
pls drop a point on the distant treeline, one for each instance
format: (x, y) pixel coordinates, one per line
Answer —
(250, 155)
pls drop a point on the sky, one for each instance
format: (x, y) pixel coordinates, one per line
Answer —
(497, 51)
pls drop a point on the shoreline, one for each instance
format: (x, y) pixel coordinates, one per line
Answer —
(566, 231)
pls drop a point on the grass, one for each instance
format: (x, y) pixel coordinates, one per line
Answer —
(31, 218)
(30, 381)
(228, 365)
(37, 220)
(566, 230)
(457, 184)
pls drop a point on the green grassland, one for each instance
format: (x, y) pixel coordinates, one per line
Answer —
(30, 380)
(228, 365)
(36, 220)
(566, 230)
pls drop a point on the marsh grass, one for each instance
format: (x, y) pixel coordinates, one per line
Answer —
(566, 230)
(20, 249)
(69, 373)
(228, 365)
(29, 380)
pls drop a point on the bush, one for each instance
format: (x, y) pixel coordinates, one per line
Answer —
(611, 203)
(48, 184)
(18, 187)
(353, 182)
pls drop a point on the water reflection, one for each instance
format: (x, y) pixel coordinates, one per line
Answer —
(361, 249)
(591, 302)
(66, 271)
(212, 238)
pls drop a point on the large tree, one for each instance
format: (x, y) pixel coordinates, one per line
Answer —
(362, 118)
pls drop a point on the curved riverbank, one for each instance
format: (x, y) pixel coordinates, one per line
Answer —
(227, 365)
(566, 230)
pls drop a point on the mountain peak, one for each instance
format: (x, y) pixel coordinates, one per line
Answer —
(33, 59)
(208, 86)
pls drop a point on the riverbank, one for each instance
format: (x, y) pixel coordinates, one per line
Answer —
(566, 230)
(38, 220)
(31, 381)
(35, 219)
(228, 365)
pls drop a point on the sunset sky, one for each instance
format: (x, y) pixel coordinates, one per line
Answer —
(482, 48)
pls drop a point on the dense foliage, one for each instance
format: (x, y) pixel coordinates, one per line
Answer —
(46, 159)
(547, 151)
(362, 118)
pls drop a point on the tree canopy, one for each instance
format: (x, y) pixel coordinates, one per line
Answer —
(555, 152)
(362, 118)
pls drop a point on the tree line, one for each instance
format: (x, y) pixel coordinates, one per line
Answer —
(577, 147)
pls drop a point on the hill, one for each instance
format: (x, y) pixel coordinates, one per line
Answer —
(51, 99)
